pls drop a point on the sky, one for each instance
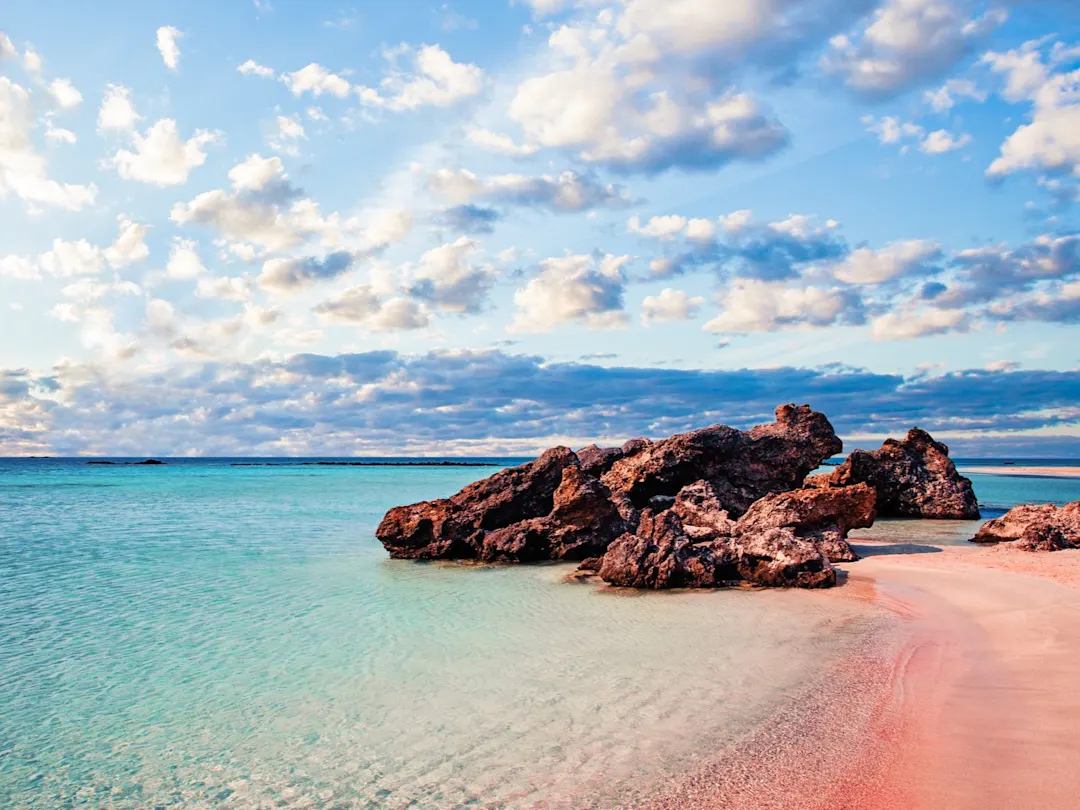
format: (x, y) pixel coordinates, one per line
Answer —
(271, 227)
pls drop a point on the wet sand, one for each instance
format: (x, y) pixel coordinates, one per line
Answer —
(1025, 472)
(968, 697)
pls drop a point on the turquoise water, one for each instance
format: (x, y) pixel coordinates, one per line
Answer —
(201, 635)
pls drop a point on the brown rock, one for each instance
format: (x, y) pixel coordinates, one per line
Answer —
(741, 466)
(780, 559)
(596, 460)
(1035, 527)
(913, 478)
(822, 516)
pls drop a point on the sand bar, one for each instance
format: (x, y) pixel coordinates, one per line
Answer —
(1027, 472)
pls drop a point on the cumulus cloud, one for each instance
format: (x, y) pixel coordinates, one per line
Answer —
(228, 288)
(941, 141)
(168, 45)
(362, 306)
(669, 305)
(470, 219)
(117, 112)
(1051, 141)
(500, 144)
(912, 324)
(569, 192)
(431, 78)
(450, 278)
(315, 79)
(906, 43)
(946, 97)
(576, 289)
(184, 262)
(24, 172)
(160, 157)
(897, 259)
(130, 245)
(285, 275)
(752, 305)
(65, 93)
(288, 131)
(253, 68)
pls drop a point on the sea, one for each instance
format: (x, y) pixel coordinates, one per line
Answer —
(229, 633)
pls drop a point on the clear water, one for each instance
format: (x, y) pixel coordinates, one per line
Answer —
(202, 635)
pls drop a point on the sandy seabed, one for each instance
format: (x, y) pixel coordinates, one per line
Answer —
(969, 698)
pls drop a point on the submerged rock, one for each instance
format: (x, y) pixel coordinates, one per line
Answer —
(913, 478)
(1042, 527)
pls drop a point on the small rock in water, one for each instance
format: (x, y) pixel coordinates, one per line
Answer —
(1035, 527)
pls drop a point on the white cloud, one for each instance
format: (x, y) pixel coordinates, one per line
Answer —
(288, 130)
(129, 246)
(891, 130)
(906, 42)
(568, 192)
(66, 259)
(316, 79)
(184, 262)
(160, 157)
(65, 93)
(54, 134)
(18, 267)
(448, 277)
(572, 289)
(167, 45)
(23, 171)
(662, 227)
(432, 79)
(907, 325)
(898, 259)
(941, 141)
(361, 305)
(228, 288)
(256, 173)
(669, 305)
(500, 144)
(117, 113)
(1024, 69)
(32, 61)
(7, 48)
(752, 305)
(945, 97)
(253, 68)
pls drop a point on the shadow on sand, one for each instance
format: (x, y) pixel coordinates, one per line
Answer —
(877, 550)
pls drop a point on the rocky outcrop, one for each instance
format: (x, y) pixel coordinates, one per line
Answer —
(787, 540)
(1031, 527)
(913, 478)
(567, 506)
(741, 466)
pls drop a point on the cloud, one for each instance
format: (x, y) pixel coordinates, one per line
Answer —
(184, 262)
(569, 192)
(228, 288)
(1051, 141)
(253, 68)
(499, 143)
(317, 80)
(996, 271)
(160, 157)
(945, 97)
(117, 112)
(65, 93)
(467, 402)
(906, 43)
(895, 260)
(360, 305)
(167, 44)
(669, 305)
(574, 289)
(912, 324)
(18, 267)
(129, 246)
(470, 219)
(285, 275)
(54, 134)
(941, 141)
(23, 171)
(752, 305)
(433, 78)
(449, 278)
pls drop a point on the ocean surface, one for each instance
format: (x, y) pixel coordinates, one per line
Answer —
(204, 635)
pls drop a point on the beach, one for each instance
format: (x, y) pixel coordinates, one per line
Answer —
(1024, 471)
(967, 701)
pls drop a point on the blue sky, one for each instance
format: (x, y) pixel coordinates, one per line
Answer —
(322, 228)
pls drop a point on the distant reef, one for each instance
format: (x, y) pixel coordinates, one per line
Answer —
(152, 462)
(710, 508)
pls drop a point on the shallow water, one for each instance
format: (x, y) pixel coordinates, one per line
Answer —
(201, 635)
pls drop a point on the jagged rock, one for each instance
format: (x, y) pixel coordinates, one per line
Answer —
(1041, 527)
(822, 516)
(596, 460)
(660, 555)
(557, 508)
(741, 466)
(780, 559)
(913, 478)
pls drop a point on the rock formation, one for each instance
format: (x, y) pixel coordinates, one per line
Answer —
(1042, 527)
(786, 539)
(912, 478)
(567, 506)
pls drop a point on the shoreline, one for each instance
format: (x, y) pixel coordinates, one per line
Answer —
(1023, 472)
(967, 699)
